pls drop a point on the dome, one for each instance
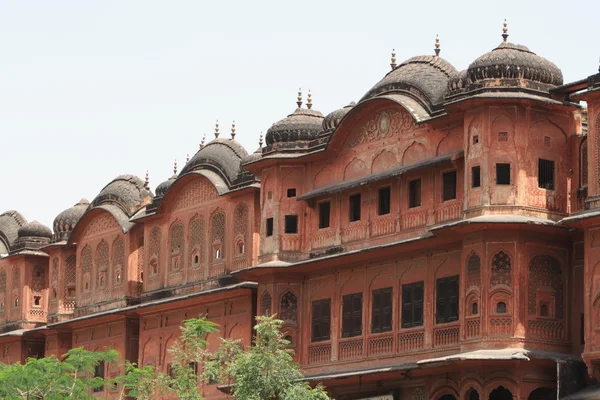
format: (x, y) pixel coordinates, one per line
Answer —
(224, 155)
(10, 223)
(66, 220)
(34, 229)
(126, 191)
(424, 76)
(297, 129)
(512, 65)
(332, 119)
(162, 188)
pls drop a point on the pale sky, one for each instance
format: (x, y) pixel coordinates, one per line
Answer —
(93, 89)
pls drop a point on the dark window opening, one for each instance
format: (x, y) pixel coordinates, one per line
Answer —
(269, 226)
(324, 214)
(503, 136)
(354, 207)
(449, 183)
(581, 328)
(475, 139)
(385, 196)
(352, 315)
(381, 315)
(37, 300)
(546, 174)
(414, 193)
(543, 310)
(502, 174)
(501, 308)
(412, 304)
(194, 367)
(291, 192)
(475, 309)
(476, 177)
(321, 320)
(446, 299)
(291, 224)
(99, 373)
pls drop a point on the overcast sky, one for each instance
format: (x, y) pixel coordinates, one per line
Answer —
(93, 89)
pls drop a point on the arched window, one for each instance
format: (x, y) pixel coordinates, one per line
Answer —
(473, 395)
(197, 240)
(289, 307)
(86, 268)
(473, 271)
(474, 309)
(583, 163)
(501, 270)
(154, 251)
(240, 227)
(265, 304)
(543, 310)
(545, 272)
(176, 246)
(118, 260)
(501, 393)
(217, 235)
(102, 265)
(501, 307)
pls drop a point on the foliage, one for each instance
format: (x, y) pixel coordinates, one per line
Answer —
(266, 371)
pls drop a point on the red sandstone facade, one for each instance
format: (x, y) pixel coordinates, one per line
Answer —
(436, 240)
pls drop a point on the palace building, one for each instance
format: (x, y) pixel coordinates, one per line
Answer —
(439, 239)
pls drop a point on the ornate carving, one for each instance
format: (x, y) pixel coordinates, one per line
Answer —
(289, 307)
(265, 304)
(2, 281)
(501, 270)
(545, 272)
(583, 160)
(217, 233)
(16, 283)
(240, 228)
(473, 271)
(176, 246)
(196, 192)
(102, 264)
(100, 224)
(86, 269)
(38, 279)
(418, 394)
(154, 248)
(384, 124)
(70, 275)
(197, 237)
(118, 260)
(55, 266)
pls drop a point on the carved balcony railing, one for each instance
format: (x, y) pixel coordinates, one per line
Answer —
(351, 349)
(319, 353)
(68, 305)
(354, 231)
(501, 326)
(37, 314)
(473, 327)
(217, 268)
(545, 329)
(290, 243)
(414, 219)
(195, 274)
(411, 341)
(445, 336)
(381, 345)
(239, 262)
(323, 238)
(448, 212)
(383, 225)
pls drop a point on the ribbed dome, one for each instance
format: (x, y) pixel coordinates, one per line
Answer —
(332, 119)
(223, 154)
(514, 66)
(424, 76)
(34, 229)
(162, 188)
(297, 129)
(126, 191)
(66, 220)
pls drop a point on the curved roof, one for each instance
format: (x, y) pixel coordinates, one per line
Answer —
(125, 191)
(426, 77)
(34, 229)
(303, 125)
(67, 219)
(223, 155)
(10, 223)
(333, 119)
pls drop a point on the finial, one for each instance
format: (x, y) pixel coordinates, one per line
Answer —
(147, 181)
(505, 31)
(203, 140)
(599, 64)
(217, 129)
(299, 102)
(309, 100)
(175, 168)
(260, 140)
(187, 158)
(437, 45)
(233, 130)
(393, 64)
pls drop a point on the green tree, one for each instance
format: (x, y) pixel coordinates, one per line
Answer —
(265, 371)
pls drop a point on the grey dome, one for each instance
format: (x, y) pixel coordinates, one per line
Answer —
(332, 119)
(10, 222)
(125, 191)
(223, 155)
(66, 220)
(34, 229)
(424, 76)
(513, 65)
(303, 125)
(162, 187)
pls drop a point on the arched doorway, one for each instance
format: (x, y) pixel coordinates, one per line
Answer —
(472, 395)
(501, 393)
(447, 397)
(542, 394)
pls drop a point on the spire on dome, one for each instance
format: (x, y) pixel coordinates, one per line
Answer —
(260, 140)
(505, 31)
(202, 142)
(393, 64)
(233, 130)
(147, 181)
(217, 129)
(187, 158)
(309, 100)
(175, 168)
(437, 45)
(299, 102)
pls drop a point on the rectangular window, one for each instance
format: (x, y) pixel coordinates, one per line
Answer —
(355, 207)
(446, 299)
(385, 196)
(412, 304)
(269, 226)
(546, 174)
(291, 192)
(449, 182)
(291, 224)
(381, 315)
(324, 214)
(352, 315)
(99, 373)
(476, 176)
(414, 193)
(321, 320)
(502, 174)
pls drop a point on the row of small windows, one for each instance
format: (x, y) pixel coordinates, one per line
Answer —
(545, 174)
(381, 309)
